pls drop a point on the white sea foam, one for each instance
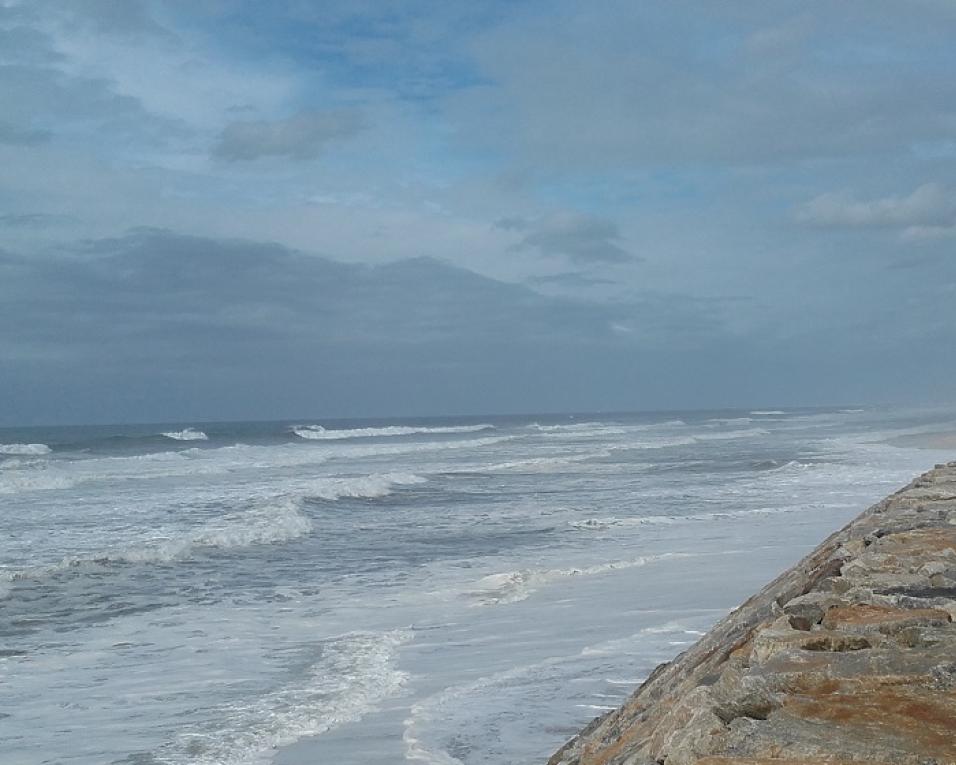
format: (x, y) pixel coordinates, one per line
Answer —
(6, 582)
(416, 751)
(731, 434)
(366, 486)
(355, 674)
(661, 443)
(542, 464)
(571, 427)
(790, 466)
(25, 450)
(515, 586)
(189, 434)
(382, 450)
(579, 430)
(275, 521)
(445, 706)
(595, 429)
(44, 475)
(239, 458)
(319, 433)
(602, 524)
(281, 521)
(617, 646)
(26, 478)
(767, 412)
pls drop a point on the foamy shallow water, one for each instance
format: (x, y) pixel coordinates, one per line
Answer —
(445, 591)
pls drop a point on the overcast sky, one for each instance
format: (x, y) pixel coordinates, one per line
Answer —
(223, 209)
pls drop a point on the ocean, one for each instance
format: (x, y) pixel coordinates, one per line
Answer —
(446, 590)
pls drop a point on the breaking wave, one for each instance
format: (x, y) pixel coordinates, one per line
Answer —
(360, 487)
(602, 428)
(767, 412)
(601, 524)
(515, 586)
(542, 464)
(25, 450)
(355, 673)
(279, 521)
(775, 466)
(26, 478)
(319, 433)
(381, 450)
(189, 434)
(731, 434)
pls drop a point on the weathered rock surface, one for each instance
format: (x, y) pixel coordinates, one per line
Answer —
(848, 657)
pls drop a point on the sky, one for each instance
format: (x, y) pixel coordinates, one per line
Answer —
(241, 210)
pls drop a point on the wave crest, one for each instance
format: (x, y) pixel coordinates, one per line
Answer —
(25, 450)
(361, 487)
(515, 586)
(355, 674)
(270, 523)
(187, 434)
(602, 524)
(319, 433)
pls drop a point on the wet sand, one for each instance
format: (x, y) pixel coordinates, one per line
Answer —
(941, 440)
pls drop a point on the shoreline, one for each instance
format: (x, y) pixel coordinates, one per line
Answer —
(939, 440)
(846, 657)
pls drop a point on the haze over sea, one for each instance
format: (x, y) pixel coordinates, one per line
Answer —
(455, 590)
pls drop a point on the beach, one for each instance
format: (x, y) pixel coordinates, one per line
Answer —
(939, 441)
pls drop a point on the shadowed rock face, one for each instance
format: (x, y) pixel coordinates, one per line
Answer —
(848, 657)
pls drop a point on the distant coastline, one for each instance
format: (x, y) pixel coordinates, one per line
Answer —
(940, 440)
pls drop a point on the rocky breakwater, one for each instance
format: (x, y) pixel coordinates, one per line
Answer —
(848, 657)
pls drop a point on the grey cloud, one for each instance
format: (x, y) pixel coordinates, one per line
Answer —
(113, 17)
(580, 238)
(569, 280)
(26, 45)
(161, 310)
(930, 205)
(18, 135)
(41, 102)
(16, 220)
(303, 136)
(513, 224)
(651, 85)
(160, 286)
(122, 17)
(185, 326)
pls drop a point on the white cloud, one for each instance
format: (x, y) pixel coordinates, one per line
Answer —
(930, 206)
(580, 238)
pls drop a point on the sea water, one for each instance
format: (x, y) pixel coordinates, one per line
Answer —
(460, 590)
